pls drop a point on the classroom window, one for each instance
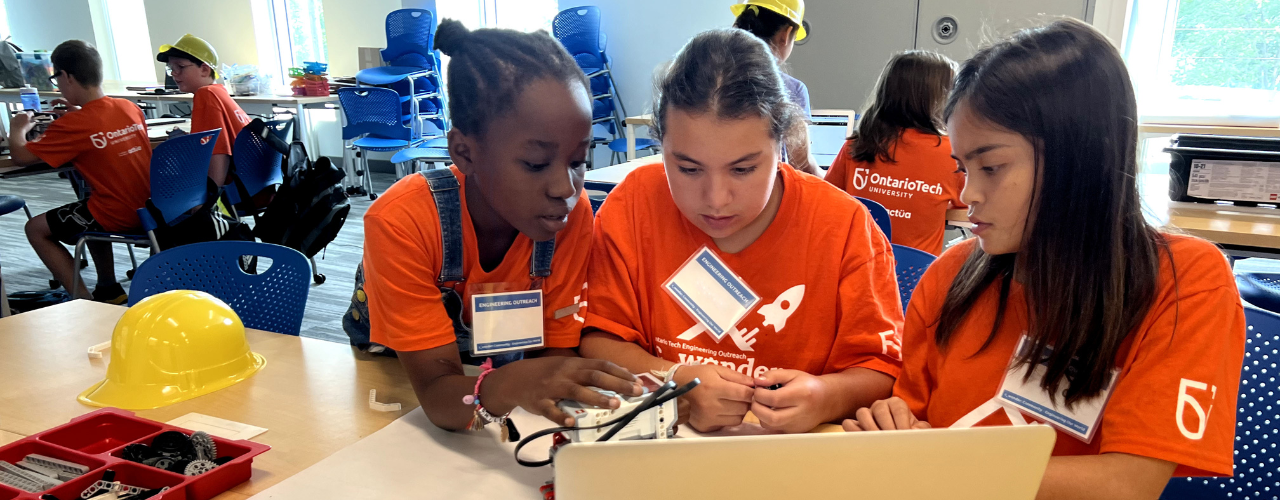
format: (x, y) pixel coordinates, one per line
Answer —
(289, 32)
(1196, 58)
(126, 21)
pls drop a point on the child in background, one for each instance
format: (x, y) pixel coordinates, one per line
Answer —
(1110, 311)
(899, 156)
(826, 324)
(780, 23)
(193, 64)
(521, 113)
(106, 139)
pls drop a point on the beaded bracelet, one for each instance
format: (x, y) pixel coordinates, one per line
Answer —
(481, 417)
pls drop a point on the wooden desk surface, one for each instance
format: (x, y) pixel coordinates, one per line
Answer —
(312, 395)
(1166, 129)
(1227, 225)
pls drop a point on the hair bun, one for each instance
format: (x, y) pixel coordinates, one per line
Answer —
(451, 35)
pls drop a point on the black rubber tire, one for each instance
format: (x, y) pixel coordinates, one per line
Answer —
(318, 278)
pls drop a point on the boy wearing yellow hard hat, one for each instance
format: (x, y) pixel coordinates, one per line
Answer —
(780, 23)
(193, 64)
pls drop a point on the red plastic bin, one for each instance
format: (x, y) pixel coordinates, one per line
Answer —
(96, 439)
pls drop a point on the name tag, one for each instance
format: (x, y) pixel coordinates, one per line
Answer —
(1081, 420)
(711, 293)
(503, 322)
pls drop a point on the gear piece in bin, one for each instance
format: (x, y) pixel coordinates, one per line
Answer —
(173, 444)
(176, 452)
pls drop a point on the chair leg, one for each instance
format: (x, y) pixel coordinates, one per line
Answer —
(75, 268)
(368, 177)
(315, 271)
(4, 299)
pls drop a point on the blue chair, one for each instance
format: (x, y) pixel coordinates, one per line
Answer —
(409, 36)
(9, 204)
(179, 183)
(272, 300)
(257, 167)
(911, 264)
(432, 152)
(1259, 282)
(1256, 416)
(880, 215)
(373, 123)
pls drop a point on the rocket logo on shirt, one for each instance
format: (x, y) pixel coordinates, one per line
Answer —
(775, 315)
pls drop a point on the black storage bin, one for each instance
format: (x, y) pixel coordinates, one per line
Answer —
(1213, 168)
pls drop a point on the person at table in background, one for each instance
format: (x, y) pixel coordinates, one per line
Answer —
(780, 23)
(900, 157)
(1112, 311)
(106, 139)
(521, 129)
(828, 317)
(193, 64)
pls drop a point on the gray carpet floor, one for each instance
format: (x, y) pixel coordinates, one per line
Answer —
(22, 270)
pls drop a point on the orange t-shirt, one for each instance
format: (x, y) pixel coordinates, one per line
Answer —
(917, 189)
(402, 257)
(824, 274)
(107, 141)
(1195, 331)
(213, 108)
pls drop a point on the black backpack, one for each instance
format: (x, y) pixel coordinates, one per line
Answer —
(310, 207)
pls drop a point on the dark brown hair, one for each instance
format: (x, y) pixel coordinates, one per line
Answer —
(727, 72)
(1089, 261)
(764, 23)
(488, 69)
(910, 95)
(80, 60)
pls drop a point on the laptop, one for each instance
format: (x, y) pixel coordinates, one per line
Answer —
(978, 463)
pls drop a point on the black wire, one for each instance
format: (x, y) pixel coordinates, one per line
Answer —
(653, 400)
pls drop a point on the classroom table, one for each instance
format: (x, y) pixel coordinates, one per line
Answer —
(298, 104)
(312, 395)
(1241, 231)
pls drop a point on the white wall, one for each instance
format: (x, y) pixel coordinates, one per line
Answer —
(350, 24)
(43, 24)
(850, 43)
(226, 24)
(644, 35)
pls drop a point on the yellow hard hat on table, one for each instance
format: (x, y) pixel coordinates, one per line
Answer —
(172, 347)
(790, 9)
(193, 46)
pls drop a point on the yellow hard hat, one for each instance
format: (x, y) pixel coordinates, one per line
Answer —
(172, 347)
(791, 9)
(193, 46)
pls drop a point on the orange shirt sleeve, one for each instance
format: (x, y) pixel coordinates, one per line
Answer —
(64, 140)
(870, 323)
(563, 325)
(208, 114)
(838, 174)
(1185, 364)
(614, 305)
(405, 308)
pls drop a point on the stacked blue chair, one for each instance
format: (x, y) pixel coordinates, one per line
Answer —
(1257, 417)
(880, 215)
(9, 204)
(911, 264)
(273, 300)
(413, 73)
(373, 123)
(578, 29)
(179, 183)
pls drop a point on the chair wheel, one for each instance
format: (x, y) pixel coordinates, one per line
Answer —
(129, 274)
(373, 196)
(55, 284)
(318, 278)
(84, 264)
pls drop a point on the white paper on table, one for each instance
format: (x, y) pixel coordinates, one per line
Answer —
(223, 428)
(412, 458)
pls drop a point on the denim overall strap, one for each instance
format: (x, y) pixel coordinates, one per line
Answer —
(540, 261)
(447, 194)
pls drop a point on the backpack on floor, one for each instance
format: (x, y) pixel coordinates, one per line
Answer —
(310, 207)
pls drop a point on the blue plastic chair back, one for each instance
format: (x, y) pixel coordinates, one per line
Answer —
(372, 111)
(409, 36)
(578, 29)
(911, 264)
(272, 300)
(257, 164)
(180, 173)
(1256, 416)
(1259, 282)
(880, 215)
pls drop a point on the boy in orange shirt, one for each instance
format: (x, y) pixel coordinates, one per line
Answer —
(1132, 339)
(510, 216)
(825, 327)
(193, 64)
(106, 139)
(899, 157)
